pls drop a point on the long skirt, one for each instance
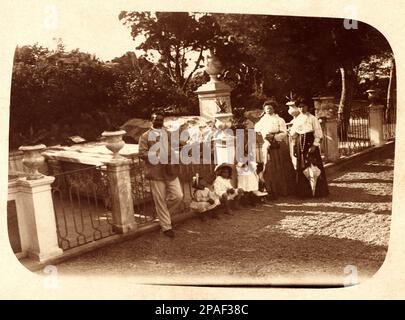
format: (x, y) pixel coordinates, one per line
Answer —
(279, 174)
(305, 162)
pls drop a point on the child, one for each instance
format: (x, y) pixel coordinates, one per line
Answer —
(248, 181)
(204, 200)
(229, 196)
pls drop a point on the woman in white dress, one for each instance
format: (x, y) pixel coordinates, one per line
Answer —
(278, 174)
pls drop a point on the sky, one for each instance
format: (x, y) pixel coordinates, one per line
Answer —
(90, 27)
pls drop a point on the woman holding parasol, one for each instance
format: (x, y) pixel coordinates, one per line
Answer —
(307, 134)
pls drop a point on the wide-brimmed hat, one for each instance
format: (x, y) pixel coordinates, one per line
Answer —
(223, 165)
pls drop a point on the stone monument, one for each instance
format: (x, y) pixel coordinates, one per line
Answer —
(214, 91)
(215, 103)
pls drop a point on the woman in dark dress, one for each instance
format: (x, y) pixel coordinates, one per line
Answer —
(310, 173)
(278, 173)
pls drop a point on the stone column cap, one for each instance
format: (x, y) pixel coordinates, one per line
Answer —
(44, 180)
(113, 133)
(376, 106)
(118, 162)
(38, 147)
(211, 87)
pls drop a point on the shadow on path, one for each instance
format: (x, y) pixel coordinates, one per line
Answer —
(286, 239)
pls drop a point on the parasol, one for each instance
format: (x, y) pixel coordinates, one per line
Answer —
(312, 173)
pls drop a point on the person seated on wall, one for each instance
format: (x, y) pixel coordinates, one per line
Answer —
(228, 195)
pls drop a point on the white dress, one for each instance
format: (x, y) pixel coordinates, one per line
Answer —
(221, 185)
(305, 123)
(272, 124)
(248, 180)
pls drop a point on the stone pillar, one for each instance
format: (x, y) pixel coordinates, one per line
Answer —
(38, 225)
(376, 125)
(214, 91)
(327, 110)
(118, 171)
(209, 94)
(331, 138)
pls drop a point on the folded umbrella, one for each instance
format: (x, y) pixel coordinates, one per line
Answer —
(312, 173)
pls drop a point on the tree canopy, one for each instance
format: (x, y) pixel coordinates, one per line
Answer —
(56, 93)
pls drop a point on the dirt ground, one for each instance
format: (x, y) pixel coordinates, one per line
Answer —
(287, 241)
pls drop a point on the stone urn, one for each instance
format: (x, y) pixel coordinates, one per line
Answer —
(33, 160)
(114, 141)
(372, 96)
(213, 67)
(325, 107)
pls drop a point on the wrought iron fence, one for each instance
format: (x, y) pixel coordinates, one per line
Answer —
(82, 205)
(144, 208)
(187, 172)
(354, 134)
(389, 124)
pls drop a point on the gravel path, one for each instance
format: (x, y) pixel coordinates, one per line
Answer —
(282, 242)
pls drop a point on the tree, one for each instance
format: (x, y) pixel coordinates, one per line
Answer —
(305, 54)
(390, 89)
(60, 93)
(143, 87)
(179, 38)
(285, 56)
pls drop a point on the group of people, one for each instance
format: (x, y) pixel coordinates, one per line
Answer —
(301, 171)
(280, 169)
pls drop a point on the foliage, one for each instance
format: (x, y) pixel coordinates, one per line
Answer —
(57, 93)
(300, 53)
(174, 35)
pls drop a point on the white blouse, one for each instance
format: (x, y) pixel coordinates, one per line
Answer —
(221, 185)
(305, 123)
(272, 124)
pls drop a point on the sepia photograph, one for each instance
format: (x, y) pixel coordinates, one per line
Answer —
(201, 148)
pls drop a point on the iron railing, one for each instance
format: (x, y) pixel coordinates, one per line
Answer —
(389, 124)
(354, 134)
(144, 208)
(82, 205)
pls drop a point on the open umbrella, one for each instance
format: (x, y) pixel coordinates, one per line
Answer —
(312, 173)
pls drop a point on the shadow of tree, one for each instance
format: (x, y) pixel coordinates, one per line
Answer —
(289, 239)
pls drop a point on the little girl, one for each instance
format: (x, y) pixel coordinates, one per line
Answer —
(248, 181)
(228, 195)
(204, 200)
